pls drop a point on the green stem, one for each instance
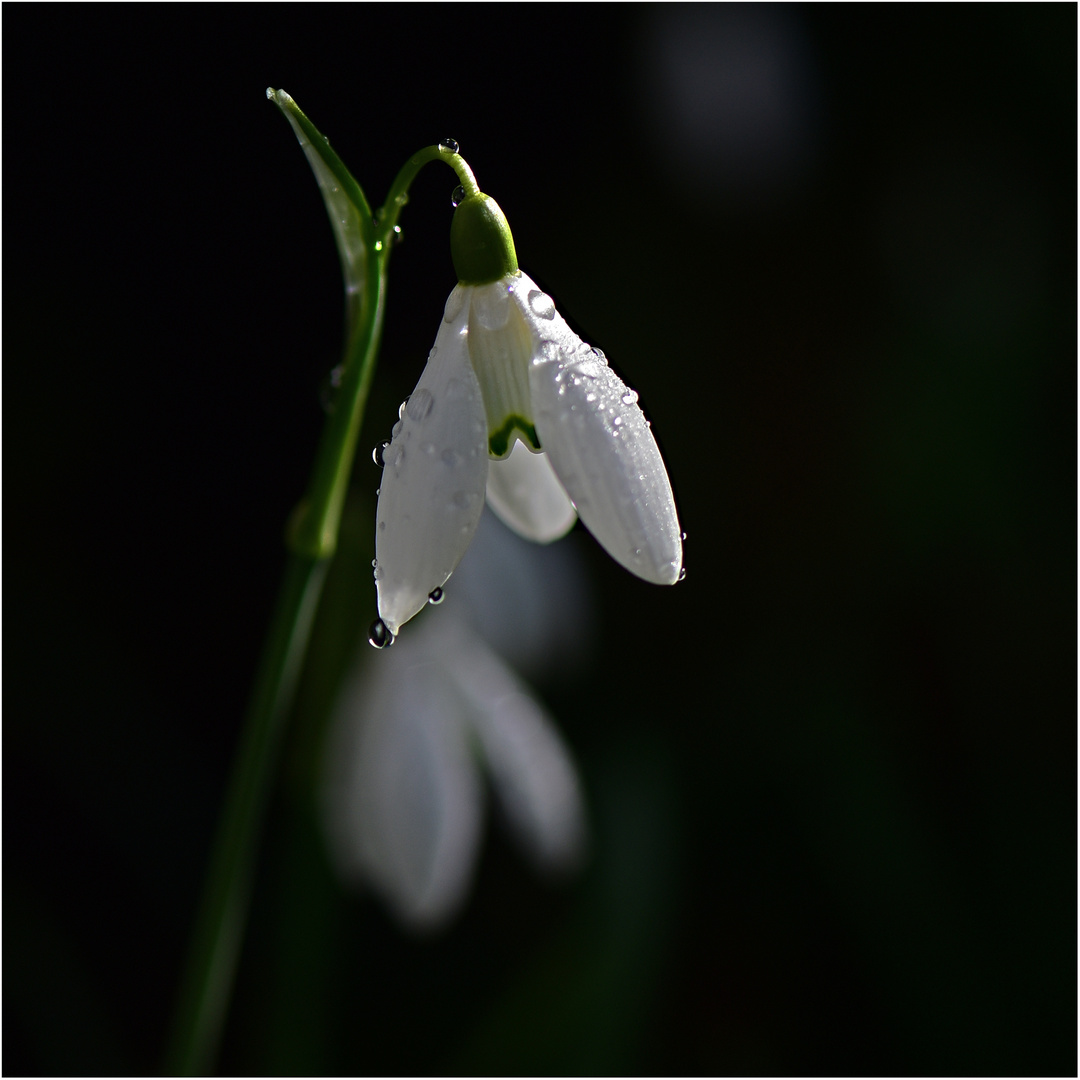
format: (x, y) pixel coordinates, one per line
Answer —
(211, 967)
(312, 536)
(215, 947)
(387, 216)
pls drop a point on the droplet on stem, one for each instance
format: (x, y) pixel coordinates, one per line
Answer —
(451, 146)
(458, 196)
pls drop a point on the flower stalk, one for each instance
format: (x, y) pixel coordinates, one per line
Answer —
(364, 242)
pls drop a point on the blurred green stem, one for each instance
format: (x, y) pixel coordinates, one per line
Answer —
(364, 244)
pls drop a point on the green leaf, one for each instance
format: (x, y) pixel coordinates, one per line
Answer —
(348, 209)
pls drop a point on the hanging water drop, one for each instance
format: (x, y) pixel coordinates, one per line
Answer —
(398, 235)
(379, 635)
(378, 454)
(458, 197)
(451, 146)
(435, 596)
(401, 409)
(682, 573)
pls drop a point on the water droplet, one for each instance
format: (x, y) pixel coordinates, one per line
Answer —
(451, 146)
(435, 596)
(395, 431)
(617, 421)
(378, 573)
(682, 573)
(378, 455)
(401, 408)
(398, 235)
(378, 245)
(458, 196)
(599, 353)
(542, 304)
(454, 303)
(375, 563)
(419, 406)
(379, 635)
(630, 397)
(682, 536)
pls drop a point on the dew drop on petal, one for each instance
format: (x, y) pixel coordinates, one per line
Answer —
(435, 596)
(458, 197)
(542, 305)
(378, 455)
(419, 406)
(454, 303)
(379, 635)
(630, 397)
(401, 409)
(451, 146)
(682, 573)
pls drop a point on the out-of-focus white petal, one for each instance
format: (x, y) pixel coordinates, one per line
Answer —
(434, 476)
(531, 603)
(404, 802)
(526, 494)
(601, 448)
(531, 769)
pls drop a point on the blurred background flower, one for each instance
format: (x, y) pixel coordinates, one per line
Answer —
(413, 728)
(831, 777)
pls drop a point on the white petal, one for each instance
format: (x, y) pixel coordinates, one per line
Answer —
(600, 445)
(525, 493)
(435, 473)
(531, 769)
(404, 803)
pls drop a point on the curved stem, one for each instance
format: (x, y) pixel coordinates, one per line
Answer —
(399, 189)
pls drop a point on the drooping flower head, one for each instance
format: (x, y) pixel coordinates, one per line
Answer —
(515, 409)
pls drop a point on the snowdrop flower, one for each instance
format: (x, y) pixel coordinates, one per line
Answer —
(404, 799)
(513, 407)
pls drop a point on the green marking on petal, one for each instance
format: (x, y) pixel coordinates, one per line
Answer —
(499, 442)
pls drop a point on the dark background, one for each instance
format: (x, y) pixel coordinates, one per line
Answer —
(832, 775)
